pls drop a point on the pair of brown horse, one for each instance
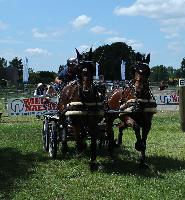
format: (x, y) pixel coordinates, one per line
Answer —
(134, 105)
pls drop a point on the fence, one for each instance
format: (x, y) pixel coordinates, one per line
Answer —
(15, 102)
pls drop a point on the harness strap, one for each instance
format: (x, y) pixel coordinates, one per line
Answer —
(142, 100)
(79, 103)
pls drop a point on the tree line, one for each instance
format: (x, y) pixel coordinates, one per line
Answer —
(12, 74)
(109, 58)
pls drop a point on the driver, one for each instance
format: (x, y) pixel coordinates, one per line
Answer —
(66, 73)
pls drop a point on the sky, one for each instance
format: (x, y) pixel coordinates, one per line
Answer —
(48, 31)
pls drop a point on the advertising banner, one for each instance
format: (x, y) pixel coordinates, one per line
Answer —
(31, 106)
(170, 99)
(40, 105)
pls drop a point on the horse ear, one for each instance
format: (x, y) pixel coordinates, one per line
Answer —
(79, 56)
(148, 58)
(138, 57)
(90, 54)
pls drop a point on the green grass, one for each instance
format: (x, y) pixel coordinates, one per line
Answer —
(26, 172)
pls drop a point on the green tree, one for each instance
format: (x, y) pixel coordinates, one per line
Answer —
(3, 65)
(178, 73)
(159, 73)
(110, 56)
(183, 68)
(16, 62)
(171, 72)
(45, 77)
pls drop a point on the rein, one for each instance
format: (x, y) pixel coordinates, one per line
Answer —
(137, 103)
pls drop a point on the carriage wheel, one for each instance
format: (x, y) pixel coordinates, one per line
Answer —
(64, 146)
(53, 140)
(45, 135)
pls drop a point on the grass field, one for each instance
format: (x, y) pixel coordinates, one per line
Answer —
(26, 172)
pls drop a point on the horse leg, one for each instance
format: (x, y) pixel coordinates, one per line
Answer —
(139, 146)
(78, 138)
(120, 136)
(77, 127)
(110, 134)
(145, 131)
(64, 133)
(93, 133)
(64, 147)
(83, 135)
(93, 164)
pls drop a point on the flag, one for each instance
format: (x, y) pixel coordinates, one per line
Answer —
(123, 70)
(25, 71)
(97, 69)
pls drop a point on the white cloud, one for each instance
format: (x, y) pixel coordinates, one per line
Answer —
(131, 42)
(9, 40)
(171, 32)
(49, 34)
(9, 54)
(3, 25)
(37, 51)
(101, 30)
(154, 8)
(83, 48)
(174, 47)
(37, 34)
(81, 21)
(169, 13)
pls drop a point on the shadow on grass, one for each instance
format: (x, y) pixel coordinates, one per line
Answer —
(14, 167)
(158, 165)
(126, 162)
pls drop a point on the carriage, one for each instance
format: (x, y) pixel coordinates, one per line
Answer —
(54, 128)
(87, 112)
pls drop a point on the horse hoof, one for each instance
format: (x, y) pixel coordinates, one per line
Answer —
(93, 166)
(81, 148)
(143, 166)
(117, 144)
(85, 146)
(64, 150)
(140, 146)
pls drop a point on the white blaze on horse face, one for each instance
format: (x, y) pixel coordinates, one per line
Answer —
(139, 79)
(86, 84)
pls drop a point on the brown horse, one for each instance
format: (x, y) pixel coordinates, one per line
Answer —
(79, 101)
(134, 105)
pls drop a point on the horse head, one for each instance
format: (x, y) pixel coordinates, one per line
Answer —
(86, 70)
(141, 74)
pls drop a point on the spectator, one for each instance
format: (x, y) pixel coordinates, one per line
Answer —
(163, 85)
(40, 90)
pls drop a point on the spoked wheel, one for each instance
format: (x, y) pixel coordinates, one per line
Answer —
(45, 134)
(64, 146)
(53, 140)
